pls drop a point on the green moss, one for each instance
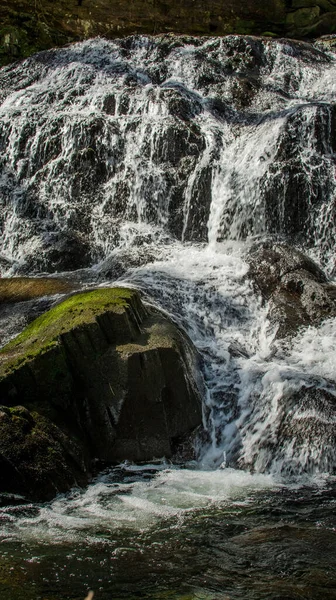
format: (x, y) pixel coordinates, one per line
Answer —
(325, 4)
(15, 43)
(269, 34)
(43, 334)
(304, 17)
(44, 24)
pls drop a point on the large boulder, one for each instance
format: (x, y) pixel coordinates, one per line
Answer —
(298, 292)
(99, 377)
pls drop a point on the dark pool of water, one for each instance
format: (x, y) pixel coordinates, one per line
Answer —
(276, 545)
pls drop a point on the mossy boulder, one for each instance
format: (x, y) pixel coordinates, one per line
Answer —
(303, 17)
(101, 378)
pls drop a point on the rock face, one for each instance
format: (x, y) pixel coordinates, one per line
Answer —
(28, 27)
(292, 406)
(36, 457)
(297, 289)
(99, 376)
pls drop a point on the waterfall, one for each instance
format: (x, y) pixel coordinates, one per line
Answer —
(203, 139)
(171, 155)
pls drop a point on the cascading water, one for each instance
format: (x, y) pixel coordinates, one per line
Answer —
(158, 163)
(207, 140)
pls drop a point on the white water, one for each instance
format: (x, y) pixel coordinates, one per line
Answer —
(219, 139)
(135, 504)
(115, 172)
(251, 378)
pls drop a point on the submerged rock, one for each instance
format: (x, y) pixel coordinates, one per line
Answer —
(100, 377)
(296, 288)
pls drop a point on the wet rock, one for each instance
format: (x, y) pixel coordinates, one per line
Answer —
(66, 251)
(36, 458)
(301, 439)
(297, 290)
(291, 207)
(19, 289)
(199, 208)
(100, 370)
(58, 252)
(185, 447)
(5, 264)
(269, 261)
(120, 262)
(150, 153)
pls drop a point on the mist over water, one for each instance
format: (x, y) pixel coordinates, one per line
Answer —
(157, 163)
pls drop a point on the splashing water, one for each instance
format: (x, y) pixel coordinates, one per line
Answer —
(269, 402)
(179, 152)
(204, 140)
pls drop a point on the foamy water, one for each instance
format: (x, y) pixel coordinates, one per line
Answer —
(140, 501)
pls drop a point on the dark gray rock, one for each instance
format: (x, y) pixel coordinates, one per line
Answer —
(297, 289)
(101, 378)
(302, 437)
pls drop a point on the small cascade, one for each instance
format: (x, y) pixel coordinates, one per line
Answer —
(238, 207)
(168, 155)
(270, 404)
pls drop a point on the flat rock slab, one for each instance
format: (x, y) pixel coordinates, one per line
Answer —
(21, 289)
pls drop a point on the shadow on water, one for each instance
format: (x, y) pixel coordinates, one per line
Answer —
(277, 544)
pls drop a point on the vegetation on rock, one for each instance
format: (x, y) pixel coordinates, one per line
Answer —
(29, 27)
(45, 332)
(99, 376)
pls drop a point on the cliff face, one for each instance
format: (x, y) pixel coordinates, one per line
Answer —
(27, 27)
